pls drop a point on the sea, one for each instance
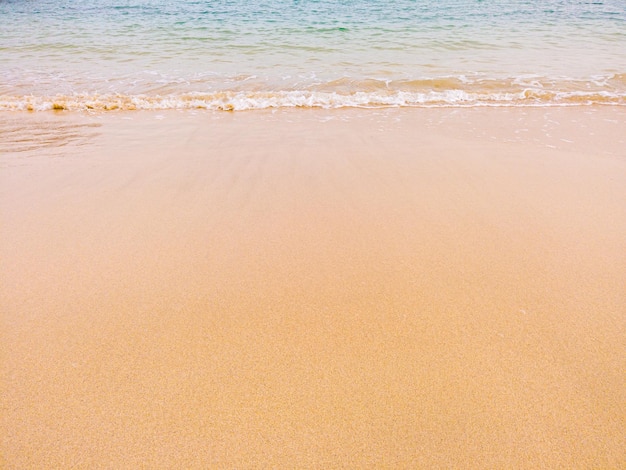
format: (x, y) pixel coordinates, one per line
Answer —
(258, 54)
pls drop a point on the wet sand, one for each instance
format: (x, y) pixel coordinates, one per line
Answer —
(313, 289)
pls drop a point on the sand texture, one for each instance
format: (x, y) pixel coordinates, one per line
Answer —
(428, 288)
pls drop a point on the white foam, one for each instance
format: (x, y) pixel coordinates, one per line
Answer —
(250, 100)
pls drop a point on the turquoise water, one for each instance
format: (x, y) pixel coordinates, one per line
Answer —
(243, 55)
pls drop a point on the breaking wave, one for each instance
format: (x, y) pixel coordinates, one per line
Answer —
(442, 92)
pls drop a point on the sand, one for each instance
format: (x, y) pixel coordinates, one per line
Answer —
(426, 288)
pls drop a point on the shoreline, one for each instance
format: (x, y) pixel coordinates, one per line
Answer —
(314, 288)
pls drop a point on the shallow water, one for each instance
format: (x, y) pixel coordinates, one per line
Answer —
(368, 53)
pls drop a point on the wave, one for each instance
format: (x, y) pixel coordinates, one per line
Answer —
(371, 93)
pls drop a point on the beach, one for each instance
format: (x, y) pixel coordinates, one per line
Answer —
(313, 288)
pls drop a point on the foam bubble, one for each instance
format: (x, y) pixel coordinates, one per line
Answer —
(442, 92)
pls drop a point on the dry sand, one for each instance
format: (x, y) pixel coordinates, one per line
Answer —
(314, 289)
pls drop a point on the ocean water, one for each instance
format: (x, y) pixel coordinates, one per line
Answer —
(238, 54)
